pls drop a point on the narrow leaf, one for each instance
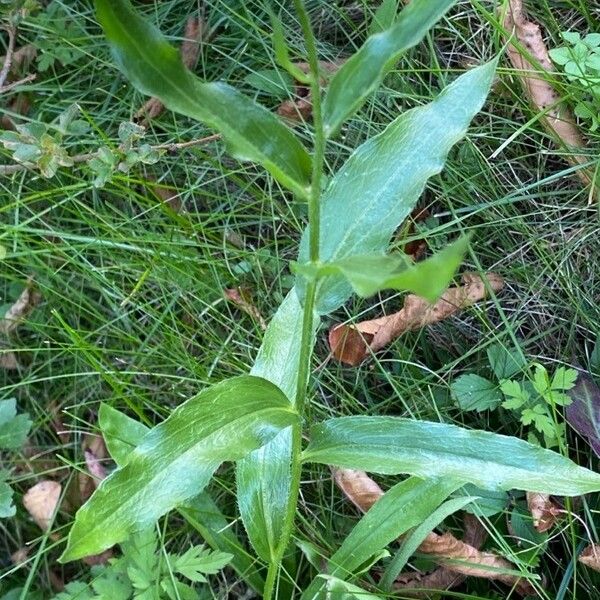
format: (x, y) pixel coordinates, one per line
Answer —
(363, 72)
(177, 458)
(155, 68)
(379, 185)
(372, 273)
(263, 477)
(414, 539)
(402, 507)
(393, 445)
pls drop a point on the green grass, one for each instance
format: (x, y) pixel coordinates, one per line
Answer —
(133, 311)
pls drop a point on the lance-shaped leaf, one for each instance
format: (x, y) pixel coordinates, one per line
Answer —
(402, 507)
(122, 434)
(175, 460)
(363, 72)
(379, 185)
(263, 477)
(370, 274)
(154, 67)
(395, 445)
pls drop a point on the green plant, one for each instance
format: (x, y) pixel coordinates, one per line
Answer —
(13, 432)
(257, 420)
(534, 397)
(580, 61)
(536, 401)
(144, 573)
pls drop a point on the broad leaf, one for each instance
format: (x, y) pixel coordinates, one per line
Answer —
(393, 445)
(372, 273)
(7, 508)
(263, 477)
(583, 414)
(155, 68)
(413, 540)
(402, 507)
(379, 185)
(474, 392)
(13, 428)
(505, 362)
(177, 458)
(122, 434)
(363, 72)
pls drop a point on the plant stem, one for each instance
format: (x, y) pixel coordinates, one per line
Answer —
(306, 346)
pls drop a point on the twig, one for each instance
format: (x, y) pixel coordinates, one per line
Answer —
(12, 36)
(14, 84)
(81, 158)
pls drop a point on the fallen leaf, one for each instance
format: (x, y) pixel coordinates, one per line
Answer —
(19, 311)
(363, 492)
(583, 414)
(358, 487)
(20, 556)
(190, 48)
(416, 248)
(351, 344)
(21, 308)
(98, 559)
(94, 451)
(41, 501)
(242, 300)
(558, 119)
(543, 511)
(299, 108)
(590, 557)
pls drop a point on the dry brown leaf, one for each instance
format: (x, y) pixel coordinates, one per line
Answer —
(417, 248)
(190, 48)
(363, 492)
(299, 108)
(350, 344)
(358, 487)
(98, 559)
(21, 308)
(590, 557)
(41, 501)
(558, 119)
(241, 298)
(543, 511)
(19, 556)
(94, 451)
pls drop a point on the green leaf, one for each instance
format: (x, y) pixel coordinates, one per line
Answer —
(414, 539)
(541, 381)
(517, 395)
(263, 477)
(272, 82)
(505, 362)
(155, 68)
(13, 428)
(379, 185)
(121, 435)
(7, 508)
(363, 72)
(177, 459)
(339, 589)
(198, 561)
(476, 393)
(394, 445)
(384, 16)
(282, 54)
(177, 590)
(140, 552)
(563, 379)
(485, 503)
(370, 274)
(402, 507)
